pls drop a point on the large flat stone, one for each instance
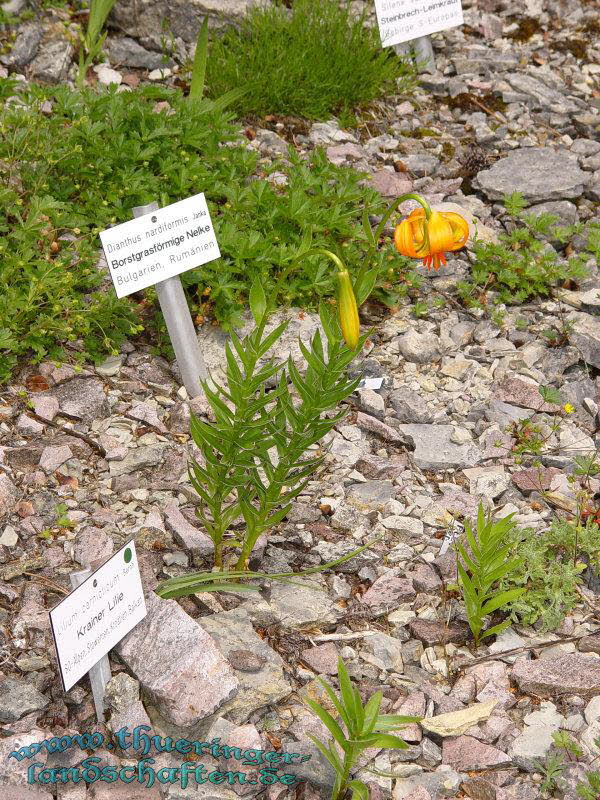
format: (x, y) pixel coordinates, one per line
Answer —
(304, 604)
(83, 398)
(572, 673)
(189, 537)
(466, 753)
(258, 668)
(12, 771)
(586, 337)
(539, 173)
(178, 663)
(146, 18)
(434, 448)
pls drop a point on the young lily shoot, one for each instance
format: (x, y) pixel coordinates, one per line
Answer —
(360, 727)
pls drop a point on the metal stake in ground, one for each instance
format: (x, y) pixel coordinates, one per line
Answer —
(422, 50)
(180, 326)
(100, 672)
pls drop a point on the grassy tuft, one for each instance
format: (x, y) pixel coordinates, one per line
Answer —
(313, 60)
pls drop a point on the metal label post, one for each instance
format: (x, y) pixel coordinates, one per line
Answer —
(100, 672)
(180, 326)
(422, 51)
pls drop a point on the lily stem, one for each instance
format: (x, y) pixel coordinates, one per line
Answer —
(394, 206)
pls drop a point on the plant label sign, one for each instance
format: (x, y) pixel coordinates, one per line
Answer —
(160, 245)
(97, 614)
(403, 20)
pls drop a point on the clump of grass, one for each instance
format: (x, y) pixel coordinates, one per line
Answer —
(313, 60)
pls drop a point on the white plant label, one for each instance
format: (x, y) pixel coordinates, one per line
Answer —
(403, 20)
(97, 615)
(160, 245)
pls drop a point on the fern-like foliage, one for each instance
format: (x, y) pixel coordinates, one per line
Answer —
(483, 563)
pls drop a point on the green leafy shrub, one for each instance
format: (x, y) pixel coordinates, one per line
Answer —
(522, 265)
(69, 173)
(550, 569)
(314, 60)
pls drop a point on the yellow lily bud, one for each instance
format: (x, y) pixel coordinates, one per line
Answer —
(348, 309)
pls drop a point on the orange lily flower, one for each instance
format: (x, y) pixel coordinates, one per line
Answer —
(429, 239)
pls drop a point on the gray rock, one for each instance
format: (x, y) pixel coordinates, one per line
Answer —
(271, 144)
(442, 782)
(128, 53)
(323, 133)
(371, 403)
(54, 457)
(421, 164)
(372, 425)
(539, 95)
(554, 676)
(92, 545)
(409, 406)
(388, 592)
(18, 698)
(189, 537)
(332, 551)
(25, 46)
(539, 173)
(122, 691)
(535, 741)
(52, 62)
(110, 367)
(184, 17)
(83, 398)
(420, 348)
(386, 651)
(585, 147)
(138, 458)
(586, 337)
(465, 753)
(564, 210)
(371, 495)
(8, 495)
(436, 450)
(178, 663)
(304, 604)
(233, 631)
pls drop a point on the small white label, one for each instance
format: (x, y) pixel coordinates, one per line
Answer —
(97, 615)
(403, 20)
(159, 245)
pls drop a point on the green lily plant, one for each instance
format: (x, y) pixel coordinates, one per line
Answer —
(364, 727)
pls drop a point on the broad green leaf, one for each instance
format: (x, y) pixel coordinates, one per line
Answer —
(384, 740)
(359, 790)
(258, 302)
(200, 59)
(501, 600)
(329, 722)
(329, 754)
(371, 713)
